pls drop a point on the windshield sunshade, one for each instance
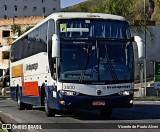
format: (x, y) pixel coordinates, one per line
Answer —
(78, 28)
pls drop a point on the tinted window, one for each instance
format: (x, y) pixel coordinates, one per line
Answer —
(93, 28)
(31, 44)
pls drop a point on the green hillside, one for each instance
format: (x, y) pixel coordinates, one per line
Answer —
(130, 9)
(156, 13)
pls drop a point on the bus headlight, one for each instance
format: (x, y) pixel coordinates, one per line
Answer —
(69, 93)
(127, 92)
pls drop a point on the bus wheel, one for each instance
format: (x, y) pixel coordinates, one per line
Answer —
(28, 107)
(20, 105)
(49, 112)
(106, 113)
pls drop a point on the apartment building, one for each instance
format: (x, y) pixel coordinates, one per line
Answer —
(24, 8)
(24, 13)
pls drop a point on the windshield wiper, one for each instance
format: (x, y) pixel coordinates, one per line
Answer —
(112, 70)
(85, 64)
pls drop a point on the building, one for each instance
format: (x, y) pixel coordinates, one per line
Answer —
(24, 8)
(24, 13)
(7, 36)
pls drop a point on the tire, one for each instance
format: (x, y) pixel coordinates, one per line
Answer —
(49, 112)
(28, 106)
(20, 105)
(106, 113)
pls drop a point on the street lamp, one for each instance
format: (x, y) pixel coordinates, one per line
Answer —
(140, 64)
(153, 67)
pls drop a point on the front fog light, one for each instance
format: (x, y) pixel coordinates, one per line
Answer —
(131, 101)
(125, 93)
(62, 102)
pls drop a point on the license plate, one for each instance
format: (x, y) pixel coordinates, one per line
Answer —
(98, 103)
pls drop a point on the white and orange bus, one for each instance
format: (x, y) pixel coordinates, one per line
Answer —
(75, 61)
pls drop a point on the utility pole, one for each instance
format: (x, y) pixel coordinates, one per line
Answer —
(145, 64)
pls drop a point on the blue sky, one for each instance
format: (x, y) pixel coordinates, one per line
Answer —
(65, 3)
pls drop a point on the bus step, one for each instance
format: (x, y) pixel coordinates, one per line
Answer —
(37, 107)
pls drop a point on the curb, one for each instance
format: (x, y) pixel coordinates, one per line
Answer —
(6, 118)
(5, 97)
(1, 124)
(146, 99)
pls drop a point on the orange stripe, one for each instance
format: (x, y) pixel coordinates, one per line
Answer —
(17, 71)
(30, 89)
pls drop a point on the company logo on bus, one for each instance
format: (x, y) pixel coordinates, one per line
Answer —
(32, 66)
(104, 87)
(99, 92)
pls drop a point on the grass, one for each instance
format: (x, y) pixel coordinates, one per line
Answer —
(1, 130)
(149, 97)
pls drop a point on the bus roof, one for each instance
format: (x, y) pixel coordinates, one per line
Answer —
(68, 15)
(63, 15)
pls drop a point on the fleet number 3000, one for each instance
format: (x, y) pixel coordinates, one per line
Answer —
(69, 87)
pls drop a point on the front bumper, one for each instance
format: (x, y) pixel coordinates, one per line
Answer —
(86, 102)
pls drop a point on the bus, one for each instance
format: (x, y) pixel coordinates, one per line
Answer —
(73, 61)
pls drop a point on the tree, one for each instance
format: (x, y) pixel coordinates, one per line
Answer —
(99, 8)
(16, 29)
(119, 7)
(83, 8)
(28, 28)
(156, 14)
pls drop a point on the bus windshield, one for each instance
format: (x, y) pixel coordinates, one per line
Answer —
(107, 58)
(94, 28)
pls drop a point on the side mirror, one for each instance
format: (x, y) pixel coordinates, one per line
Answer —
(140, 45)
(55, 46)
